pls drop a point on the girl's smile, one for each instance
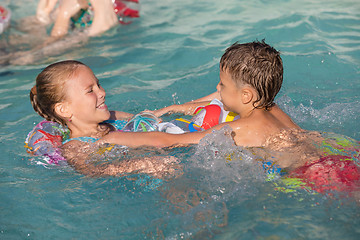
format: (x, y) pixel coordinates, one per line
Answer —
(102, 106)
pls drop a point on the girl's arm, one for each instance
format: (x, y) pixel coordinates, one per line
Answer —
(80, 154)
(154, 139)
(159, 139)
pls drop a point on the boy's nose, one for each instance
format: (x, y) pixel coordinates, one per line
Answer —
(218, 87)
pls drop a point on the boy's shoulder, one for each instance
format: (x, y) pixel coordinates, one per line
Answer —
(246, 132)
(243, 126)
(255, 129)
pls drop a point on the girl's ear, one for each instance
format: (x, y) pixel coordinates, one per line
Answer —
(62, 109)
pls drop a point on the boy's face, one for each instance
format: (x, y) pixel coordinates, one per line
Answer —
(229, 93)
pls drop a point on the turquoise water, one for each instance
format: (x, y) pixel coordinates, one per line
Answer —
(170, 55)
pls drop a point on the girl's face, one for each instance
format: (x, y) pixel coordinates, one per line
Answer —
(86, 98)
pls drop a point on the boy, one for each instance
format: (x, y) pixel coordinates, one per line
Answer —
(251, 75)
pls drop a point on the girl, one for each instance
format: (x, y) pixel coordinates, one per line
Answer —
(68, 93)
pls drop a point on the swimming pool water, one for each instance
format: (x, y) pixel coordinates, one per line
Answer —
(171, 54)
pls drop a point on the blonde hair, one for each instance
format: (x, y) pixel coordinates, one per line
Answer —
(49, 89)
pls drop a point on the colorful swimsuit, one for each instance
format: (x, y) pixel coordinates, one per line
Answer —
(117, 124)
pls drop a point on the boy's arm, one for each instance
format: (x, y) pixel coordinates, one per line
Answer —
(209, 97)
(186, 108)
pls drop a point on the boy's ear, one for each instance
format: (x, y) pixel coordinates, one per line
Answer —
(247, 95)
(62, 109)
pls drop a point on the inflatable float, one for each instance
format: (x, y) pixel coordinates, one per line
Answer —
(126, 9)
(5, 16)
(46, 137)
(337, 170)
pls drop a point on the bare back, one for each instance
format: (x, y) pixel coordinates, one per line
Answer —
(254, 130)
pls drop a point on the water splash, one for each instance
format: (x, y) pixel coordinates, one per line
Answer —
(225, 170)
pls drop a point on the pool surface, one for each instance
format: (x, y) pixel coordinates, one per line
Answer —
(171, 55)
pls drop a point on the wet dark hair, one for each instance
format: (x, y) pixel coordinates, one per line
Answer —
(49, 89)
(257, 64)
